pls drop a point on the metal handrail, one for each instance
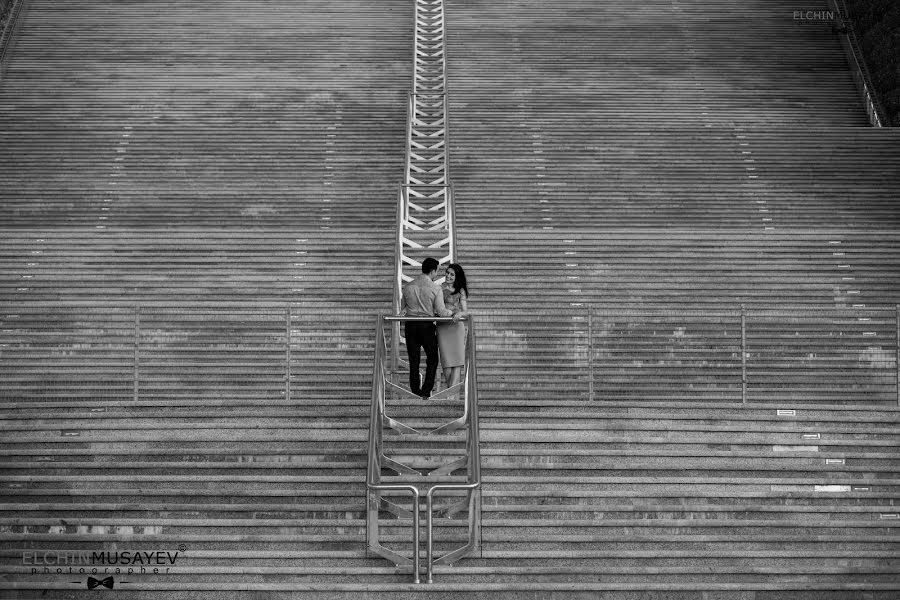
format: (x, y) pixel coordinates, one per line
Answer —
(429, 519)
(474, 463)
(446, 104)
(415, 43)
(398, 254)
(737, 343)
(402, 217)
(861, 75)
(375, 427)
(376, 454)
(410, 116)
(379, 388)
(415, 40)
(404, 226)
(6, 34)
(401, 319)
(451, 219)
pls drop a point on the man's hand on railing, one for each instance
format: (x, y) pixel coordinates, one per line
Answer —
(453, 319)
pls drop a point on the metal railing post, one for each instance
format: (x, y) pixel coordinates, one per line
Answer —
(897, 350)
(415, 500)
(429, 521)
(429, 537)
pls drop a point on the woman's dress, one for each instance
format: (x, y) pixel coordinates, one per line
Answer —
(452, 336)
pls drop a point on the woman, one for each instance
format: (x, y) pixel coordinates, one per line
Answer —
(452, 336)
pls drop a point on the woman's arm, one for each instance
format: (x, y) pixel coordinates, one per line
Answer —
(464, 307)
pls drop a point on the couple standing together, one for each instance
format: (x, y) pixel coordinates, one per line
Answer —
(422, 297)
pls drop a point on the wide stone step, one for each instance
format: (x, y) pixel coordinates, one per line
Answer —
(549, 574)
(799, 590)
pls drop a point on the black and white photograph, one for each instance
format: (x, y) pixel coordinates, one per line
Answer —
(450, 299)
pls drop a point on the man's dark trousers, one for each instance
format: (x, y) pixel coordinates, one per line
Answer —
(421, 334)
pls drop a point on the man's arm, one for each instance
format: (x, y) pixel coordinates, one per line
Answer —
(439, 309)
(403, 305)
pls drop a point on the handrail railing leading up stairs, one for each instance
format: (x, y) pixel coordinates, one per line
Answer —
(861, 76)
(425, 207)
(412, 480)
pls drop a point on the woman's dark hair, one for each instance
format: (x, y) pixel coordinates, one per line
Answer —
(460, 282)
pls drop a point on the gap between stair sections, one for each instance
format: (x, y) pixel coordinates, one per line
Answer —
(331, 136)
(762, 209)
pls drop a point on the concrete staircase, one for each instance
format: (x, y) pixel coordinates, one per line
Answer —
(684, 268)
(196, 264)
(616, 213)
(684, 62)
(709, 355)
(687, 499)
(187, 330)
(184, 321)
(209, 113)
(629, 187)
(555, 172)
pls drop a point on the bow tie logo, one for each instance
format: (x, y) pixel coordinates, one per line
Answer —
(107, 583)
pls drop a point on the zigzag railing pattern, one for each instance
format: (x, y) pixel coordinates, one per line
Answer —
(389, 477)
(424, 228)
(425, 213)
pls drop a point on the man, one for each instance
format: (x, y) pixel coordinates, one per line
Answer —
(422, 297)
